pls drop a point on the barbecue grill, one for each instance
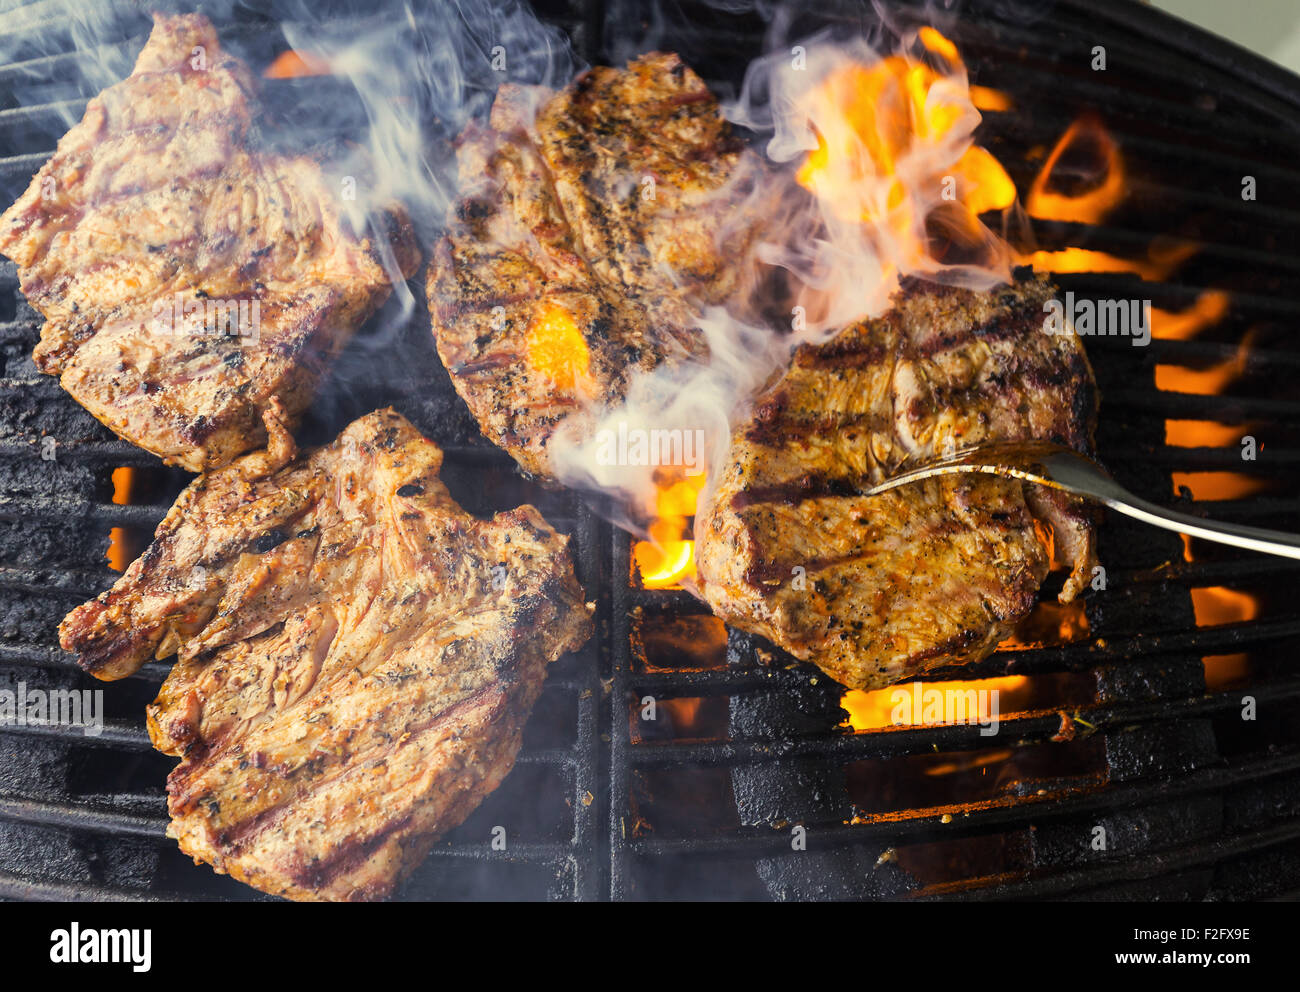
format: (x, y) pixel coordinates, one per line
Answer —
(752, 781)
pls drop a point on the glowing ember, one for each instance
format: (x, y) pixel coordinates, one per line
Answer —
(1218, 485)
(968, 762)
(119, 552)
(1050, 623)
(556, 349)
(1203, 433)
(292, 65)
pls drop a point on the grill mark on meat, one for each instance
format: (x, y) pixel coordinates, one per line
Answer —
(919, 577)
(552, 216)
(1012, 329)
(156, 156)
(448, 312)
(347, 648)
(320, 874)
(842, 353)
(767, 430)
(488, 363)
(237, 836)
(796, 491)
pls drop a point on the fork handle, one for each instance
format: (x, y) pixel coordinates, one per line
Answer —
(1273, 542)
(1081, 476)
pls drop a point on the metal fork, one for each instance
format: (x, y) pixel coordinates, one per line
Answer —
(1062, 468)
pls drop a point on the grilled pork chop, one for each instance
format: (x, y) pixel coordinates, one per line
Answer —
(357, 656)
(185, 277)
(581, 246)
(877, 589)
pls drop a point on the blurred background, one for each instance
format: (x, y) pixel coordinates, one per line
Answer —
(1269, 27)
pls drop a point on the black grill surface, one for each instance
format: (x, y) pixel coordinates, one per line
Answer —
(1127, 728)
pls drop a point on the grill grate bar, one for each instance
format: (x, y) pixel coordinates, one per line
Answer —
(118, 734)
(83, 816)
(1204, 640)
(16, 887)
(98, 819)
(1192, 406)
(1052, 234)
(1026, 729)
(1122, 119)
(1197, 354)
(974, 819)
(1128, 284)
(84, 584)
(109, 514)
(1146, 867)
(53, 658)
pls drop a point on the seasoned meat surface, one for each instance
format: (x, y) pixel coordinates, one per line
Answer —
(582, 245)
(877, 589)
(357, 656)
(185, 277)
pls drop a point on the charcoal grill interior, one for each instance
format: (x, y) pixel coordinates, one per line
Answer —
(1129, 715)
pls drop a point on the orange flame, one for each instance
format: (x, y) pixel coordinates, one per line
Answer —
(1216, 605)
(1105, 181)
(1219, 605)
(985, 98)
(985, 184)
(556, 348)
(1210, 307)
(1049, 624)
(1064, 190)
(1158, 265)
(1206, 382)
(1218, 485)
(1203, 433)
(668, 558)
(874, 120)
(876, 709)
